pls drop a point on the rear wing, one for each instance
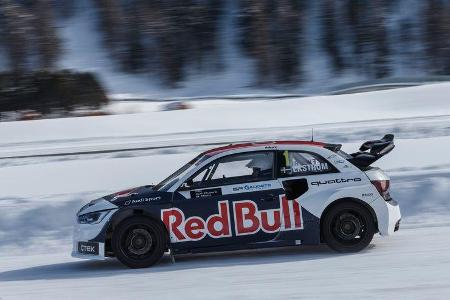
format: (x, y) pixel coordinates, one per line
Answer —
(371, 151)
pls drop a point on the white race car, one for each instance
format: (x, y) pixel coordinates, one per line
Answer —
(246, 196)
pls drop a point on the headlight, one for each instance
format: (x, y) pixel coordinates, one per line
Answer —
(93, 202)
(93, 217)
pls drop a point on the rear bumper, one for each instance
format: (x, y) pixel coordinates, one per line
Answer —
(388, 215)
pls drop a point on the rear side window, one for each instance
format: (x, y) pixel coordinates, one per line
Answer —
(300, 163)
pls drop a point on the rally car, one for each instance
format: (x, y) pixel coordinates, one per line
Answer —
(246, 196)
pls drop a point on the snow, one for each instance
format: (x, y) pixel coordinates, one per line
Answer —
(403, 267)
(216, 118)
(40, 195)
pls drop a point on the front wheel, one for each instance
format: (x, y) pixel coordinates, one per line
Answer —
(139, 242)
(348, 227)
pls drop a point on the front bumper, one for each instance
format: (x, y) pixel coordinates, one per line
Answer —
(388, 215)
(90, 233)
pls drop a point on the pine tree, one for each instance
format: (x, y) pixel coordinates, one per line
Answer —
(16, 29)
(170, 36)
(46, 37)
(111, 20)
(358, 14)
(330, 27)
(258, 33)
(437, 44)
(271, 34)
(379, 39)
(286, 40)
(134, 56)
(446, 39)
(65, 8)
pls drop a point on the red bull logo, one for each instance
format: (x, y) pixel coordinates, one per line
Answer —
(248, 219)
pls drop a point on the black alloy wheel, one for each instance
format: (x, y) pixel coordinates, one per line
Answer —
(139, 242)
(348, 227)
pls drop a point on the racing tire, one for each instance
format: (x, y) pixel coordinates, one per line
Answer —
(348, 227)
(139, 242)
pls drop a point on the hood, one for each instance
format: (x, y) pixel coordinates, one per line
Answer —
(138, 196)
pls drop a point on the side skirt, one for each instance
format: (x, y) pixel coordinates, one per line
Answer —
(264, 245)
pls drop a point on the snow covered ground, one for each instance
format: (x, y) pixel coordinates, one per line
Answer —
(40, 195)
(411, 265)
(231, 120)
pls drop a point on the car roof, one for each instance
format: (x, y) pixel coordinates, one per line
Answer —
(250, 145)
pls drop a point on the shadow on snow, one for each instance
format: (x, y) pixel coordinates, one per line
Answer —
(112, 267)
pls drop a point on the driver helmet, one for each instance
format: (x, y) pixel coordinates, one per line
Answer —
(261, 162)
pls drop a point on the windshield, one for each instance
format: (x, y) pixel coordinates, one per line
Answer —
(179, 173)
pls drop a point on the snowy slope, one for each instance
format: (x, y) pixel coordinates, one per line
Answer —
(214, 119)
(399, 268)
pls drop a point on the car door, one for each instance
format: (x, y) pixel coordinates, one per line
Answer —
(296, 170)
(234, 200)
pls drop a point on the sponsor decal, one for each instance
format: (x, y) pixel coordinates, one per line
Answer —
(88, 248)
(142, 200)
(367, 195)
(195, 228)
(248, 219)
(206, 193)
(302, 164)
(307, 168)
(271, 147)
(338, 180)
(252, 187)
(313, 167)
(338, 160)
(341, 162)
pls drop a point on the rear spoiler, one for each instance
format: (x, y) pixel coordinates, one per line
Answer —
(371, 151)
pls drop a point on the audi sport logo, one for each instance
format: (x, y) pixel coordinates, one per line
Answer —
(248, 219)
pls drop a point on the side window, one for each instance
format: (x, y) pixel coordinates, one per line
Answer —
(202, 175)
(233, 169)
(298, 163)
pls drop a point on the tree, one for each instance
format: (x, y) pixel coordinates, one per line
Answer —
(380, 39)
(271, 33)
(330, 27)
(437, 36)
(47, 40)
(16, 29)
(112, 21)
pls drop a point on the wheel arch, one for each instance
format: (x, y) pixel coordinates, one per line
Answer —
(346, 200)
(123, 215)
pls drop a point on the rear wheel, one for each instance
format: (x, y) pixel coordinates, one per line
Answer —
(348, 227)
(139, 242)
